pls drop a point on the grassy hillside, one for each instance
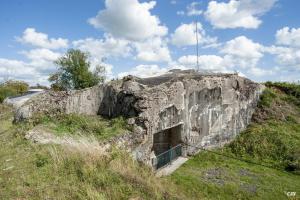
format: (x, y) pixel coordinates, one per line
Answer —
(32, 171)
(263, 162)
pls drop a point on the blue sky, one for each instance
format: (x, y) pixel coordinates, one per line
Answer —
(258, 38)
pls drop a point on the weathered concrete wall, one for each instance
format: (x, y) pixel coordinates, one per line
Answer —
(85, 101)
(208, 110)
(211, 110)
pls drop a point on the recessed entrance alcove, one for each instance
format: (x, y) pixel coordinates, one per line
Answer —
(167, 145)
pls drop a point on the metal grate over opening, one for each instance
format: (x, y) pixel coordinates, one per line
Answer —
(167, 157)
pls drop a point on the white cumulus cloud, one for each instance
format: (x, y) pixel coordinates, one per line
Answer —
(193, 10)
(34, 38)
(211, 63)
(285, 56)
(288, 36)
(129, 19)
(104, 48)
(144, 71)
(41, 59)
(153, 50)
(242, 52)
(256, 71)
(185, 35)
(41, 54)
(238, 54)
(237, 13)
(243, 47)
(19, 70)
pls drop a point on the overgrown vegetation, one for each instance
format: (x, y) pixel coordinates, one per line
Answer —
(275, 137)
(276, 144)
(263, 162)
(32, 171)
(84, 125)
(12, 88)
(292, 91)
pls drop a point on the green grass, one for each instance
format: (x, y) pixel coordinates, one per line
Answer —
(267, 98)
(31, 171)
(211, 176)
(274, 143)
(5, 117)
(263, 162)
(290, 89)
(75, 124)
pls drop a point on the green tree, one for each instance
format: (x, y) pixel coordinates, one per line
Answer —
(19, 86)
(12, 88)
(74, 73)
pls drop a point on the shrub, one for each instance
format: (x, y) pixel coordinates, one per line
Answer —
(12, 88)
(6, 92)
(267, 98)
(19, 87)
(289, 88)
(293, 161)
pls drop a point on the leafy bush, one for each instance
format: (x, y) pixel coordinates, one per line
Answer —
(267, 98)
(6, 92)
(12, 88)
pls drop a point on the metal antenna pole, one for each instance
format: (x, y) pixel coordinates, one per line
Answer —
(197, 46)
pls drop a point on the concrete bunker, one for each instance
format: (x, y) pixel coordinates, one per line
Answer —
(167, 112)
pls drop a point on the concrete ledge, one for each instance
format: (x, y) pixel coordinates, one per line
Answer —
(169, 169)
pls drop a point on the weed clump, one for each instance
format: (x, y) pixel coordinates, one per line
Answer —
(84, 125)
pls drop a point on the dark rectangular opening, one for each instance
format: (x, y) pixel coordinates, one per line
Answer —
(166, 139)
(167, 146)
